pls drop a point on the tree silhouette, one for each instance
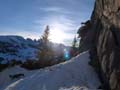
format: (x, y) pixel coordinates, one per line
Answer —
(46, 35)
(74, 42)
(45, 53)
(74, 50)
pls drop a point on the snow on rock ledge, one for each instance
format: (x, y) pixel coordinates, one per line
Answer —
(74, 73)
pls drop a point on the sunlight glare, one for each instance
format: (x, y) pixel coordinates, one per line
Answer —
(57, 35)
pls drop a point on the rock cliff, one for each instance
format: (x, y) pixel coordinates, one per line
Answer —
(105, 42)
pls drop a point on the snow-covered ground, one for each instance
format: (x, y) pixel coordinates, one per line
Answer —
(74, 74)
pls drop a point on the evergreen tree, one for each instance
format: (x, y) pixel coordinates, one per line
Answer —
(45, 54)
(46, 35)
(74, 49)
(74, 42)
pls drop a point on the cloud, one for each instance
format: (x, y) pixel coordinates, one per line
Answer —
(52, 9)
(55, 9)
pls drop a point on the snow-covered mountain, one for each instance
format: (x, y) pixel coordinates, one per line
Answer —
(75, 74)
(17, 48)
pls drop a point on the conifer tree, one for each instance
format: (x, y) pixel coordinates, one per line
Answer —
(74, 49)
(74, 42)
(46, 35)
(45, 54)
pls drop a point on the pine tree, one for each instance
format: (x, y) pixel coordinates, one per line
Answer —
(46, 35)
(74, 42)
(45, 54)
(74, 49)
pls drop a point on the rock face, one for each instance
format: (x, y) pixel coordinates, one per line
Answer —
(105, 48)
(106, 42)
(85, 33)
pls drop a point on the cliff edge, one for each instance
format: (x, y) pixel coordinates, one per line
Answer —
(103, 39)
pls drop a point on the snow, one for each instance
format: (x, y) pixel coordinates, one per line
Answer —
(74, 74)
(17, 48)
(12, 39)
(20, 49)
(4, 75)
(22, 55)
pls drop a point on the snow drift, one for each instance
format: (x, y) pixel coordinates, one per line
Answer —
(74, 74)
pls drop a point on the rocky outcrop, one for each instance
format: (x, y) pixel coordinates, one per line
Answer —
(106, 26)
(85, 35)
(105, 48)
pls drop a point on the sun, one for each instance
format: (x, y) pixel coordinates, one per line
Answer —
(56, 35)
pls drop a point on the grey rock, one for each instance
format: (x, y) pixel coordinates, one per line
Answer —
(104, 40)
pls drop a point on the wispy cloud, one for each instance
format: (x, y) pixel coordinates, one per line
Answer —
(51, 9)
(55, 9)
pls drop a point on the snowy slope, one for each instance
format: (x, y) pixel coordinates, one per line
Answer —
(75, 74)
(17, 48)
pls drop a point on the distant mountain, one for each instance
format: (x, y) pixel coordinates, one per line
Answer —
(20, 49)
(17, 48)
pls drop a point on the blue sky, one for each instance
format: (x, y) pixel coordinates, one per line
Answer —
(28, 18)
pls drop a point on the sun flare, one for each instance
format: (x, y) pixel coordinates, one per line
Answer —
(56, 35)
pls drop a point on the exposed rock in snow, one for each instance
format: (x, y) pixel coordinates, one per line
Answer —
(74, 74)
